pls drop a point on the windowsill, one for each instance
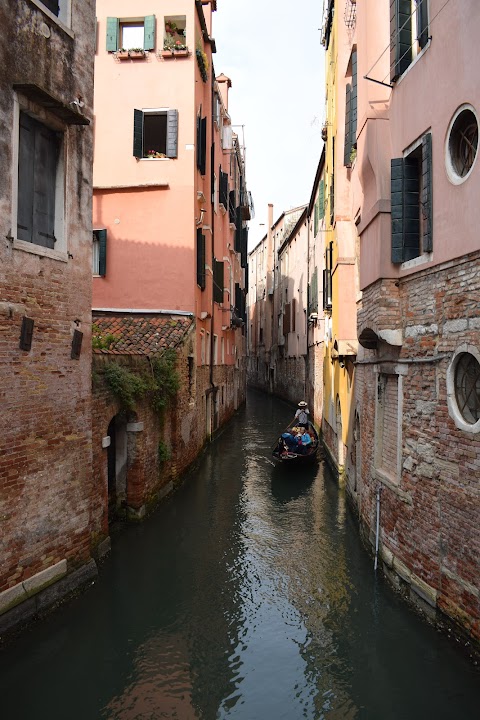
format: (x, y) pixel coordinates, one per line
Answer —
(392, 484)
(154, 158)
(416, 262)
(53, 17)
(39, 250)
(413, 63)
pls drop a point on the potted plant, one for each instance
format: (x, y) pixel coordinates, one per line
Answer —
(122, 54)
(324, 133)
(180, 48)
(136, 52)
(153, 154)
(170, 27)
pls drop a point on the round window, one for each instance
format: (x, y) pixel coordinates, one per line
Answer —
(462, 144)
(467, 387)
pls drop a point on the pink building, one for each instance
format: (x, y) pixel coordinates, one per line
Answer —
(415, 187)
(169, 213)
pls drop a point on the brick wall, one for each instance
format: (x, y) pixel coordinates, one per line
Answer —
(45, 426)
(430, 518)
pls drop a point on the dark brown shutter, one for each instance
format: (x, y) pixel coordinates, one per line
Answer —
(286, 319)
(200, 259)
(138, 134)
(427, 201)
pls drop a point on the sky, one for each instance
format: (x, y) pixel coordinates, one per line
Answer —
(271, 51)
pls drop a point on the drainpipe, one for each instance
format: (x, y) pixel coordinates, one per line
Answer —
(377, 531)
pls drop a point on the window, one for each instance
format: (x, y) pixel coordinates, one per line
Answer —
(351, 113)
(155, 133)
(130, 33)
(223, 189)
(411, 202)
(201, 144)
(52, 5)
(218, 280)
(200, 259)
(40, 200)
(462, 144)
(60, 9)
(408, 33)
(215, 346)
(174, 35)
(327, 278)
(99, 252)
(313, 293)
(388, 421)
(463, 388)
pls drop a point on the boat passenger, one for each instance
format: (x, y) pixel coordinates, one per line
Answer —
(306, 440)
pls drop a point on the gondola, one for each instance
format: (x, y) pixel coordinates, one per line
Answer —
(287, 451)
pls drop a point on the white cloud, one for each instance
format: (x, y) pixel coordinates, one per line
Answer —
(273, 56)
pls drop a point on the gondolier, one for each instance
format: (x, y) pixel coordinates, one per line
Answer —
(301, 416)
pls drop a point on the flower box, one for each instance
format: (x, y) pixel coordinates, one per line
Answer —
(136, 54)
(122, 54)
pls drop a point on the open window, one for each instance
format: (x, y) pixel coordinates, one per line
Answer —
(130, 33)
(408, 33)
(155, 133)
(175, 34)
(99, 252)
(411, 202)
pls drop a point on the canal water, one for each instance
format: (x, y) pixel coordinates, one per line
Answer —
(247, 595)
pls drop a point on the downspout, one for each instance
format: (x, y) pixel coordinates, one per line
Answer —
(377, 530)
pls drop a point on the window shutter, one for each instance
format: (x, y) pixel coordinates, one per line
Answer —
(112, 34)
(212, 174)
(411, 208)
(172, 133)
(231, 206)
(138, 134)
(243, 247)
(422, 22)
(238, 229)
(286, 319)
(218, 281)
(396, 194)
(26, 156)
(149, 33)
(294, 313)
(45, 175)
(427, 240)
(203, 146)
(200, 259)
(315, 220)
(347, 143)
(400, 37)
(321, 200)
(223, 188)
(102, 255)
(353, 103)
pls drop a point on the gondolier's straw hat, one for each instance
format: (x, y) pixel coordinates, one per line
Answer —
(302, 403)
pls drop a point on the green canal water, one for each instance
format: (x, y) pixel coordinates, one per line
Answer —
(247, 595)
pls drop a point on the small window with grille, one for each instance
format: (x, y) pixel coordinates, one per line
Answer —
(462, 144)
(463, 388)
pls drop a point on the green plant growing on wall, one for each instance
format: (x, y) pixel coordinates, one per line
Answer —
(202, 62)
(163, 452)
(158, 386)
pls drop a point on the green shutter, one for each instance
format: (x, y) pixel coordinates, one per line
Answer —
(353, 103)
(400, 37)
(218, 281)
(315, 219)
(102, 257)
(112, 34)
(200, 259)
(348, 120)
(172, 134)
(149, 32)
(427, 240)
(411, 209)
(321, 200)
(396, 186)
(138, 134)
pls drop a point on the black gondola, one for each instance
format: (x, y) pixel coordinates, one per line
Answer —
(287, 449)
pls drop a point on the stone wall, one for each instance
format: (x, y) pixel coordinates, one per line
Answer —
(430, 503)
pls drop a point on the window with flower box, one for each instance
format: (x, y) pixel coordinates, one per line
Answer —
(155, 133)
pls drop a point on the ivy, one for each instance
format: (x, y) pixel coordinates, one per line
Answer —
(163, 452)
(157, 386)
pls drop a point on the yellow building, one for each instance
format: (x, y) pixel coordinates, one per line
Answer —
(340, 276)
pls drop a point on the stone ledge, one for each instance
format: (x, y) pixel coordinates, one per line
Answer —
(35, 584)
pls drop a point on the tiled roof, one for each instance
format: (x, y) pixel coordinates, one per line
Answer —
(139, 334)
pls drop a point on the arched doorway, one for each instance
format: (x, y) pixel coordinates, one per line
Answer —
(117, 468)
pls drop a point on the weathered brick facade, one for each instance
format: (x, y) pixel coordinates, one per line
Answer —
(45, 441)
(430, 509)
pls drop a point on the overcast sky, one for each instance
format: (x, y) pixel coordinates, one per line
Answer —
(273, 56)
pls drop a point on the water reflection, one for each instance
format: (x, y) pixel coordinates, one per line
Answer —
(248, 596)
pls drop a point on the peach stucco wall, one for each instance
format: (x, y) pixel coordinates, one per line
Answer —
(147, 206)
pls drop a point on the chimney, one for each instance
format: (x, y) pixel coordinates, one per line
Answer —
(224, 83)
